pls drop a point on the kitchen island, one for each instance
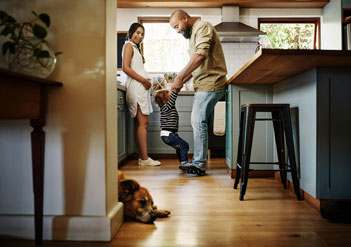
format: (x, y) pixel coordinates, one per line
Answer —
(317, 85)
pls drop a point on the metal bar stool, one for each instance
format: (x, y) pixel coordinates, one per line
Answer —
(282, 125)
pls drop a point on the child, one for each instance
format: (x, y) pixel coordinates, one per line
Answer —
(166, 99)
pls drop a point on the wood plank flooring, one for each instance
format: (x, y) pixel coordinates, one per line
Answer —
(206, 211)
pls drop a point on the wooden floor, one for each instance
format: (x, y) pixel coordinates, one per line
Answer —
(206, 211)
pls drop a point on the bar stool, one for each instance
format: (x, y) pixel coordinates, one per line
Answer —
(281, 125)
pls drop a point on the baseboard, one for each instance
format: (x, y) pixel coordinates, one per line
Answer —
(69, 228)
(314, 202)
(158, 156)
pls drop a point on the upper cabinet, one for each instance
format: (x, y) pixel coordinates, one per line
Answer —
(220, 3)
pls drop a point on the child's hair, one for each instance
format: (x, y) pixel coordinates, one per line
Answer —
(159, 97)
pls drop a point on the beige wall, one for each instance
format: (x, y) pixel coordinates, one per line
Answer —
(81, 129)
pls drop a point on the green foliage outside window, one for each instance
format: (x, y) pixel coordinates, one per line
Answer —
(288, 36)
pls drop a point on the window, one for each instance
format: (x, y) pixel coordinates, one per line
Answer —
(164, 49)
(290, 33)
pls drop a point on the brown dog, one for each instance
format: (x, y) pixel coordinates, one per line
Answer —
(137, 201)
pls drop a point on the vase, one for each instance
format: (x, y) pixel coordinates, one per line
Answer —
(23, 60)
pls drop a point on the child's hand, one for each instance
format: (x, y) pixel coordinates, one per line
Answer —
(178, 84)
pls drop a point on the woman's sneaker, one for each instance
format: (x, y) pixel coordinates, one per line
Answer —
(148, 162)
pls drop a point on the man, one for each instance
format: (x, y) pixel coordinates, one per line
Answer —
(208, 69)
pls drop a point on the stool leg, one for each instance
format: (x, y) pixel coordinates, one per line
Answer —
(291, 152)
(249, 126)
(239, 154)
(279, 141)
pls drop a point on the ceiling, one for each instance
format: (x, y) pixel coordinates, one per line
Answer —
(220, 3)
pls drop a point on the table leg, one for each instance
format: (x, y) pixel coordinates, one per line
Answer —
(38, 144)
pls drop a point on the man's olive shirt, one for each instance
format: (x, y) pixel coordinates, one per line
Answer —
(211, 74)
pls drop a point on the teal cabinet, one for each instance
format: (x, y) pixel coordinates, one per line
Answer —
(155, 145)
(229, 128)
(322, 127)
(263, 134)
(130, 140)
(333, 133)
(126, 142)
(121, 107)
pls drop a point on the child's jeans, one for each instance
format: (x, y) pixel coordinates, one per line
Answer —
(181, 146)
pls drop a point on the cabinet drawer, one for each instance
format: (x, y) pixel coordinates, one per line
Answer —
(121, 97)
(121, 107)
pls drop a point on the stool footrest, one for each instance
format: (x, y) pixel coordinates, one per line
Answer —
(271, 170)
(267, 119)
(283, 135)
(265, 163)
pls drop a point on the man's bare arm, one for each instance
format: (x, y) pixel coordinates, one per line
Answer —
(193, 64)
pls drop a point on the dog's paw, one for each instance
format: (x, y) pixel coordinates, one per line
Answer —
(162, 213)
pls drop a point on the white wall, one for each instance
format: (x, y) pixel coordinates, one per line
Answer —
(126, 16)
(331, 31)
(250, 16)
(81, 129)
(236, 54)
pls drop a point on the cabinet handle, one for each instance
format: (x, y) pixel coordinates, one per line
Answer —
(118, 108)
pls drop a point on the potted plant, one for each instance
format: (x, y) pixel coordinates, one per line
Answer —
(26, 50)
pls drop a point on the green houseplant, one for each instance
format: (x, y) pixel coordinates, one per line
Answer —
(25, 49)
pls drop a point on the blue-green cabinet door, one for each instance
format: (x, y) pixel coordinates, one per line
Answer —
(228, 126)
(333, 133)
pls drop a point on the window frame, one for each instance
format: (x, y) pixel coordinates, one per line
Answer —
(149, 19)
(155, 19)
(311, 20)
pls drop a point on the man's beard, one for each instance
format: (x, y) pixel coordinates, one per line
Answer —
(187, 33)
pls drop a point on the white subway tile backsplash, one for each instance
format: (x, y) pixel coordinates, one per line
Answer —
(236, 55)
(233, 45)
(213, 19)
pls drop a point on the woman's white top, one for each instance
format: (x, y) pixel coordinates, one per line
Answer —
(136, 92)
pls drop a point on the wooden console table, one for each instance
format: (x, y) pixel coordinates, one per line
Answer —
(25, 97)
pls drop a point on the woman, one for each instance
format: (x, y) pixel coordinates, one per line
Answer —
(138, 90)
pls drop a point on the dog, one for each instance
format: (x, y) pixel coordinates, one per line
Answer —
(137, 201)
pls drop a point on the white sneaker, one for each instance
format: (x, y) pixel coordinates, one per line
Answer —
(148, 162)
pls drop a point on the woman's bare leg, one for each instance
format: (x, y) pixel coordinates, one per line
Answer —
(141, 122)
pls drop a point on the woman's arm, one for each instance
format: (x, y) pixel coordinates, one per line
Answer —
(127, 58)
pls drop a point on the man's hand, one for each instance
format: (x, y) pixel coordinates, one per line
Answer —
(184, 75)
(178, 84)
